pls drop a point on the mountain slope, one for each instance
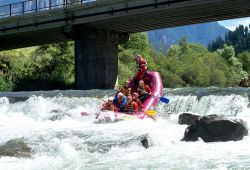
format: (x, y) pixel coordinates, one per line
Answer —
(199, 33)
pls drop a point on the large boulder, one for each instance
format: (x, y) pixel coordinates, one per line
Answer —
(187, 118)
(213, 128)
(15, 148)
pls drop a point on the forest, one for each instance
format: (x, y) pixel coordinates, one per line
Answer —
(185, 64)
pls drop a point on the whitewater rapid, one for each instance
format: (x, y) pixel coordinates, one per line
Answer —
(74, 142)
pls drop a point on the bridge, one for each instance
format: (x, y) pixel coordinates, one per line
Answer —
(98, 26)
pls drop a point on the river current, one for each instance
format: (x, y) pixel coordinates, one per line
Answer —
(61, 139)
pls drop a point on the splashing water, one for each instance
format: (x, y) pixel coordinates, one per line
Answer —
(60, 138)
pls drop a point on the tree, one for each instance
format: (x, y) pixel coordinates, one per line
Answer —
(239, 39)
(217, 44)
(183, 44)
(227, 52)
(244, 57)
(56, 62)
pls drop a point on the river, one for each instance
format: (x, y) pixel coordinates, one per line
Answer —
(74, 142)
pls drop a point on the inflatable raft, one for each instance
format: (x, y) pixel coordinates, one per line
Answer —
(153, 79)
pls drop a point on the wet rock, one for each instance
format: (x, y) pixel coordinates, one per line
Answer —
(215, 128)
(187, 118)
(142, 140)
(105, 146)
(145, 143)
(17, 99)
(16, 148)
(57, 115)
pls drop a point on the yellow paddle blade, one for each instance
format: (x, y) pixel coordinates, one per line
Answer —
(151, 112)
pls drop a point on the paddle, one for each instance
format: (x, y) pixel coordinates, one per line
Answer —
(150, 112)
(161, 98)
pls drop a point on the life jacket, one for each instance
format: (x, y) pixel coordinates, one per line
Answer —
(141, 72)
(143, 67)
(119, 103)
(126, 91)
(138, 102)
(130, 107)
(141, 90)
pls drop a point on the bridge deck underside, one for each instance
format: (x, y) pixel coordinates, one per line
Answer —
(28, 39)
(163, 18)
(126, 20)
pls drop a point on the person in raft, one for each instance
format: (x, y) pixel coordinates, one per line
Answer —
(120, 102)
(109, 106)
(137, 100)
(126, 90)
(131, 107)
(141, 64)
(143, 90)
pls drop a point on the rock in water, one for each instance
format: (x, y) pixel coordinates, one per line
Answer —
(103, 146)
(187, 118)
(15, 148)
(215, 128)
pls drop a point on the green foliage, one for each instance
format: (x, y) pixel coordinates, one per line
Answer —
(193, 65)
(5, 84)
(56, 62)
(244, 58)
(185, 64)
(239, 39)
(126, 65)
(30, 68)
(216, 44)
(138, 42)
(227, 52)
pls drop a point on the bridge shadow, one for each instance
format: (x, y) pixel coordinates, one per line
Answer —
(39, 84)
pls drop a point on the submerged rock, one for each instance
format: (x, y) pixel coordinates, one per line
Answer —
(15, 148)
(105, 146)
(215, 128)
(187, 118)
(57, 115)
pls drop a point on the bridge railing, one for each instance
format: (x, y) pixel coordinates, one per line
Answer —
(30, 6)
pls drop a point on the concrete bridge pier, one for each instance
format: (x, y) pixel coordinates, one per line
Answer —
(96, 58)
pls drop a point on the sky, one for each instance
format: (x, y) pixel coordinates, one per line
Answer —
(233, 23)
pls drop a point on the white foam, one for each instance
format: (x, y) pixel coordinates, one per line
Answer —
(76, 142)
